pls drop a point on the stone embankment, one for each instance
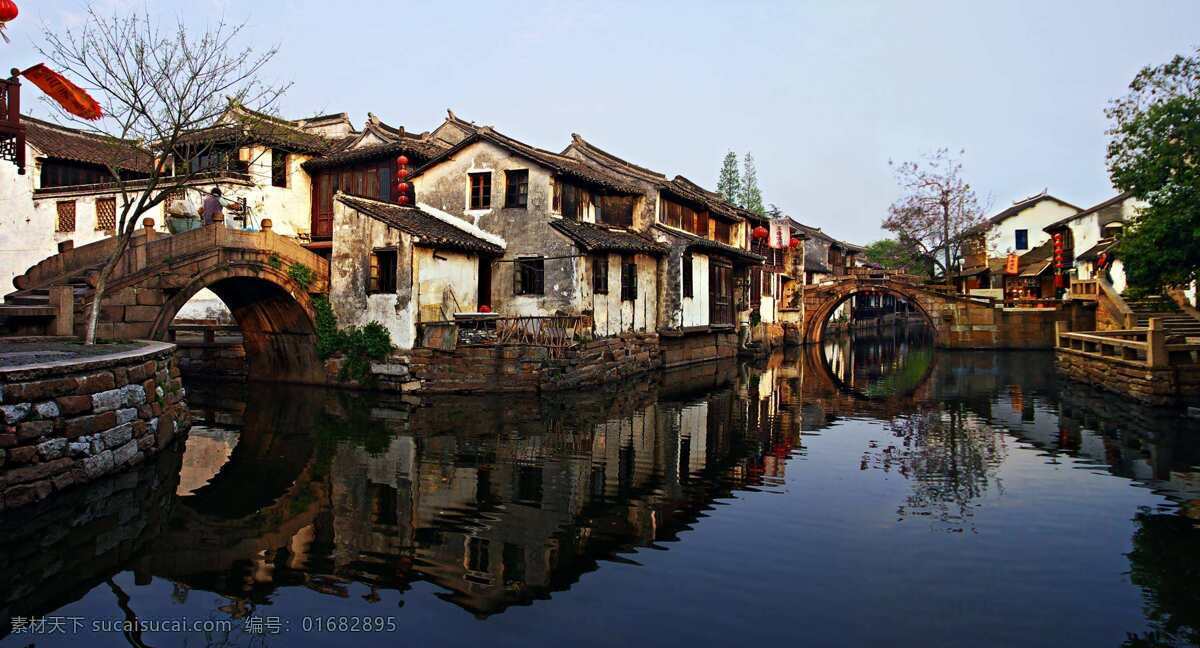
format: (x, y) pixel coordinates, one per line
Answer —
(518, 368)
(72, 421)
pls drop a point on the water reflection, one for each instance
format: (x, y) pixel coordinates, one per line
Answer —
(796, 490)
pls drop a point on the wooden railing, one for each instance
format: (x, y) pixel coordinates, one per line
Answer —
(1147, 346)
(556, 332)
(1087, 289)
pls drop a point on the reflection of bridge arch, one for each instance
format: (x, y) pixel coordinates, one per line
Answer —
(819, 360)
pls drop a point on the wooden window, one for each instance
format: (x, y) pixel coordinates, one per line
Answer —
(722, 230)
(1022, 239)
(516, 189)
(616, 210)
(688, 278)
(701, 224)
(106, 214)
(481, 190)
(66, 216)
(383, 272)
(279, 168)
(529, 276)
(768, 279)
(556, 196)
(570, 201)
(600, 274)
(628, 278)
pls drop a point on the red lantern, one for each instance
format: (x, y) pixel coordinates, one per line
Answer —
(403, 199)
(485, 309)
(401, 173)
(8, 11)
(794, 243)
(760, 232)
(402, 160)
(402, 188)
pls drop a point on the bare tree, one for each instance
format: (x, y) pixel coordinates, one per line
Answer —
(937, 210)
(162, 89)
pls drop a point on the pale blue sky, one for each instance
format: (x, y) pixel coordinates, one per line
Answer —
(822, 93)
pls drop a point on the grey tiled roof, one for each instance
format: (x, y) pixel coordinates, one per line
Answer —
(598, 238)
(432, 231)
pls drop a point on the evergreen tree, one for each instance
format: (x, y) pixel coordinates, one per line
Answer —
(751, 195)
(730, 183)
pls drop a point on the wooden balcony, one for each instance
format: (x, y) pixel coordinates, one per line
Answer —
(12, 131)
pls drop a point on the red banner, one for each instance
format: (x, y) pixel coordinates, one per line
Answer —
(71, 97)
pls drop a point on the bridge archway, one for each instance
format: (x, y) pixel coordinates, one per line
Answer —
(830, 299)
(274, 313)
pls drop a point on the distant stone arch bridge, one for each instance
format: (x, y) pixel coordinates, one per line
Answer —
(266, 280)
(958, 321)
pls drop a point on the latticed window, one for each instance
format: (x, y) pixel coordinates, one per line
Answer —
(529, 276)
(106, 213)
(689, 280)
(628, 278)
(383, 272)
(481, 190)
(600, 274)
(66, 216)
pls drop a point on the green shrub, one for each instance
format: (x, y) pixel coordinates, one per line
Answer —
(274, 261)
(302, 274)
(359, 345)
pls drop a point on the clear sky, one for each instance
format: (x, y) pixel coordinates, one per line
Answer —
(822, 93)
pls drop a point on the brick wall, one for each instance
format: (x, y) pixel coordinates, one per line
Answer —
(698, 347)
(72, 423)
(1170, 386)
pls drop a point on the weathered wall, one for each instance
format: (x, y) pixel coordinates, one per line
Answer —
(289, 208)
(72, 422)
(526, 231)
(447, 283)
(694, 310)
(354, 237)
(610, 313)
(521, 368)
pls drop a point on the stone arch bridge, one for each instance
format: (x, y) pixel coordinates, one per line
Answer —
(958, 321)
(266, 280)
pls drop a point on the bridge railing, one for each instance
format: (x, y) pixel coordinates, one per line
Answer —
(149, 248)
(1146, 346)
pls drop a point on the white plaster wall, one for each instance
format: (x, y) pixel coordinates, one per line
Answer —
(447, 283)
(289, 208)
(611, 315)
(28, 224)
(1085, 232)
(354, 237)
(695, 309)
(1002, 237)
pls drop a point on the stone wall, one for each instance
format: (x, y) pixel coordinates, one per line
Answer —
(699, 347)
(1168, 386)
(71, 422)
(521, 368)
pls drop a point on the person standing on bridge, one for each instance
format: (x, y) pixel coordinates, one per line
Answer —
(211, 207)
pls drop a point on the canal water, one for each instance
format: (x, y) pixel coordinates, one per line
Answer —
(868, 491)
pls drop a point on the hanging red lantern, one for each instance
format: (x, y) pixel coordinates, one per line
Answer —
(794, 243)
(402, 188)
(402, 160)
(401, 173)
(760, 232)
(402, 199)
(8, 10)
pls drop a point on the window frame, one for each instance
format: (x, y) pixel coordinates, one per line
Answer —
(279, 165)
(629, 287)
(100, 224)
(381, 276)
(536, 266)
(599, 274)
(688, 276)
(479, 198)
(58, 211)
(1018, 234)
(516, 189)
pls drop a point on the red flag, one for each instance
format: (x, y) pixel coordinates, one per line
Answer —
(71, 97)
